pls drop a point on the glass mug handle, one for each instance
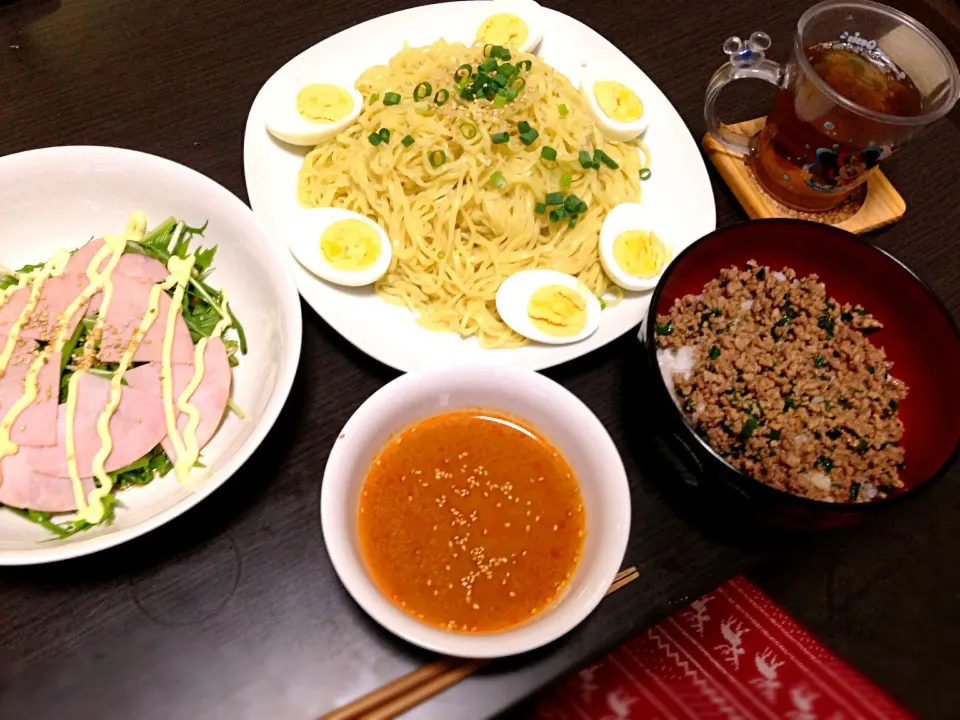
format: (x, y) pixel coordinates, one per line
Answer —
(747, 61)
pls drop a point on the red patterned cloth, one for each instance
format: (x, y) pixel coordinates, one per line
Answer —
(731, 654)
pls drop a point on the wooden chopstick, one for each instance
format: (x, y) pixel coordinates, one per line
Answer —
(423, 683)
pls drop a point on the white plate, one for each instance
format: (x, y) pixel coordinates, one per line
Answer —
(679, 184)
(562, 418)
(61, 197)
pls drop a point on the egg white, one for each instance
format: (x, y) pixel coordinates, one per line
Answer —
(303, 236)
(624, 217)
(285, 123)
(612, 129)
(514, 296)
(527, 10)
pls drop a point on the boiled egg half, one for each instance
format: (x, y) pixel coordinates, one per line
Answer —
(310, 111)
(340, 246)
(634, 249)
(548, 306)
(613, 102)
(513, 24)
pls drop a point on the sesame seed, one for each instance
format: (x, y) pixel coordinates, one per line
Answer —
(512, 594)
(476, 607)
(555, 528)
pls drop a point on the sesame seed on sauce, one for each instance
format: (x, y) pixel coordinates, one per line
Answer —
(488, 529)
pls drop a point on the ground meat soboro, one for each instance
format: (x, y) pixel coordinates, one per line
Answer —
(785, 384)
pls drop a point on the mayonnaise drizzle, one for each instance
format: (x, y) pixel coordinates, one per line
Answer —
(114, 246)
(30, 384)
(53, 266)
(180, 270)
(188, 459)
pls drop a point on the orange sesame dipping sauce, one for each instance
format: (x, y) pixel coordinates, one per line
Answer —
(470, 521)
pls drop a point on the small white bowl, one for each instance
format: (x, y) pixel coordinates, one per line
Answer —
(560, 416)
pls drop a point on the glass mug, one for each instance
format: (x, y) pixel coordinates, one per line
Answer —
(862, 79)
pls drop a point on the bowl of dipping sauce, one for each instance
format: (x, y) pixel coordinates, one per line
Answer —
(475, 511)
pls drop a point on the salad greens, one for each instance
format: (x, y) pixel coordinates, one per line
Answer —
(203, 308)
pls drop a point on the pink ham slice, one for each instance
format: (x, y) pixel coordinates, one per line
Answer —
(127, 308)
(136, 428)
(210, 398)
(56, 294)
(21, 486)
(142, 267)
(36, 426)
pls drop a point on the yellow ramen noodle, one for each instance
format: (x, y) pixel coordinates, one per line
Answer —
(456, 235)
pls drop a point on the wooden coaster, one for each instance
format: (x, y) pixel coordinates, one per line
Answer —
(874, 204)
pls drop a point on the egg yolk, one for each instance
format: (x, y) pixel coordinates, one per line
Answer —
(557, 310)
(617, 101)
(640, 253)
(323, 103)
(350, 245)
(503, 29)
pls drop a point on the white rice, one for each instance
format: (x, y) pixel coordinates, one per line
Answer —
(672, 362)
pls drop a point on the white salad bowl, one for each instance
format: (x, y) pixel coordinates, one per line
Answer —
(61, 197)
(562, 419)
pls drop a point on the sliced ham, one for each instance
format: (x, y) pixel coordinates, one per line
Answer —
(136, 428)
(21, 486)
(131, 299)
(56, 294)
(36, 426)
(210, 398)
(144, 268)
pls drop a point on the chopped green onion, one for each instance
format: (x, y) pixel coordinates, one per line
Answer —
(596, 164)
(564, 110)
(407, 141)
(441, 255)
(645, 175)
(500, 100)
(523, 126)
(374, 98)
(500, 80)
(554, 198)
(384, 135)
(488, 50)
(391, 98)
(498, 179)
(511, 94)
(466, 94)
(548, 153)
(549, 164)
(518, 84)
(565, 180)
(465, 70)
(437, 158)
(374, 138)
(498, 51)
(462, 82)
(586, 161)
(605, 159)
(500, 138)
(422, 90)
(528, 137)
(571, 203)
(558, 214)
(468, 130)
(487, 65)
(539, 208)
(489, 93)
(581, 208)
(573, 221)
(442, 96)
(507, 69)
(525, 65)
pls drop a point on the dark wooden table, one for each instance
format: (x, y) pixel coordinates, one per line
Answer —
(234, 610)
